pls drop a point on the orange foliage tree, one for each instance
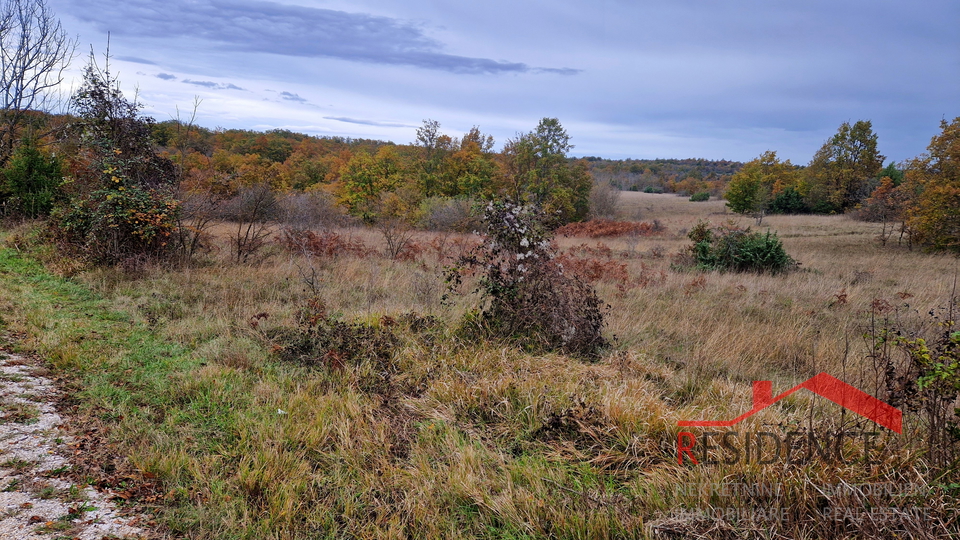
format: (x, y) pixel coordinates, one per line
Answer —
(933, 184)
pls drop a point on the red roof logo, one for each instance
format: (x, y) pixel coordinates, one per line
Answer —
(822, 384)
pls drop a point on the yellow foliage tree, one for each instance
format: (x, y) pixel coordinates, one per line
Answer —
(933, 183)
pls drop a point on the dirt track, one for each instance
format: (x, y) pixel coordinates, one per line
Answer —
(37, 500)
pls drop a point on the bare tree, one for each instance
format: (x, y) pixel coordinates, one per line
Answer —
(34, 53)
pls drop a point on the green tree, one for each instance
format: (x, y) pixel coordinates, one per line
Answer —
(433, 148)
(536, 170)
(29, 182)
(365, 178)
(839, 176)
(753, 188)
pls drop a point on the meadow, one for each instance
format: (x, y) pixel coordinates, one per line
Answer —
(220, 433)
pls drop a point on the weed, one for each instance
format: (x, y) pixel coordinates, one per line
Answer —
(919, 371)
(18, 464)
(321, 340)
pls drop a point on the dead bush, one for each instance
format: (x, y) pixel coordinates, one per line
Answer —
(324, 244)
(597, 228)
(527, 296)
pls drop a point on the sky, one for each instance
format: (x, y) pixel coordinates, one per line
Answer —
(714, 79)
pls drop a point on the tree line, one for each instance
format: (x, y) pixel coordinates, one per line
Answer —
(117, 184)
(683, 177)
(918, 198)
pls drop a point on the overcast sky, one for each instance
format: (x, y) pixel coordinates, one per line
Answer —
(718, 79)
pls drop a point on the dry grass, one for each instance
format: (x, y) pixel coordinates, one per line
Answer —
(466, 440)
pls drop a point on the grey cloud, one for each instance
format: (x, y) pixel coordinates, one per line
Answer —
(292, 97)
(366, 122)
(268, 27)
(212, 85)
(136, 60)
(166, 76)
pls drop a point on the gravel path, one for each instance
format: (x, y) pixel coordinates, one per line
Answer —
(35, 503)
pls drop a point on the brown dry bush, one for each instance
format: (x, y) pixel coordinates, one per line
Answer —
(597, 228)
(594, 270)
(527, 297)
(596, 264)
(325, 244)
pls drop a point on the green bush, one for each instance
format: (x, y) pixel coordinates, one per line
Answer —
(29, 183)
(120, 206)
(731, 249)
(788, 201)
(700, 196)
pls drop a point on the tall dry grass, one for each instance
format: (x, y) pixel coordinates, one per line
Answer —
(466, 440)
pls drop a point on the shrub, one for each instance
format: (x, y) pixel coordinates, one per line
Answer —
(527, 297)
(325, 244)
(311, 210)
(788, 201)
(121, 207)
(604, 197)
(597, 228)
(29, 182)
(254, 210)
(121, 220)
(448, 214)
(918, 364)
(700, 196)
(322, 340)
(732, 249)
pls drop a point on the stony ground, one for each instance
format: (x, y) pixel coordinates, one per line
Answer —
(37, 498)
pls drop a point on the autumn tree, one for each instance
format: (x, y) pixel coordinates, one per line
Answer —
(536, 170)
(470, 170)
(754, 188)
(433, 147)
(838, 177)
(366, 177)
(121, 206)
(932, 183)
(35, 51)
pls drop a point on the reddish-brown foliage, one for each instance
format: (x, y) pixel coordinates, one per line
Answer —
(324, 244)
(596, 228)
(597, 263)
(410, 251)
(595, 269)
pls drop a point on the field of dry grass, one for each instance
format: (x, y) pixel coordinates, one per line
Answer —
(451, 438)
